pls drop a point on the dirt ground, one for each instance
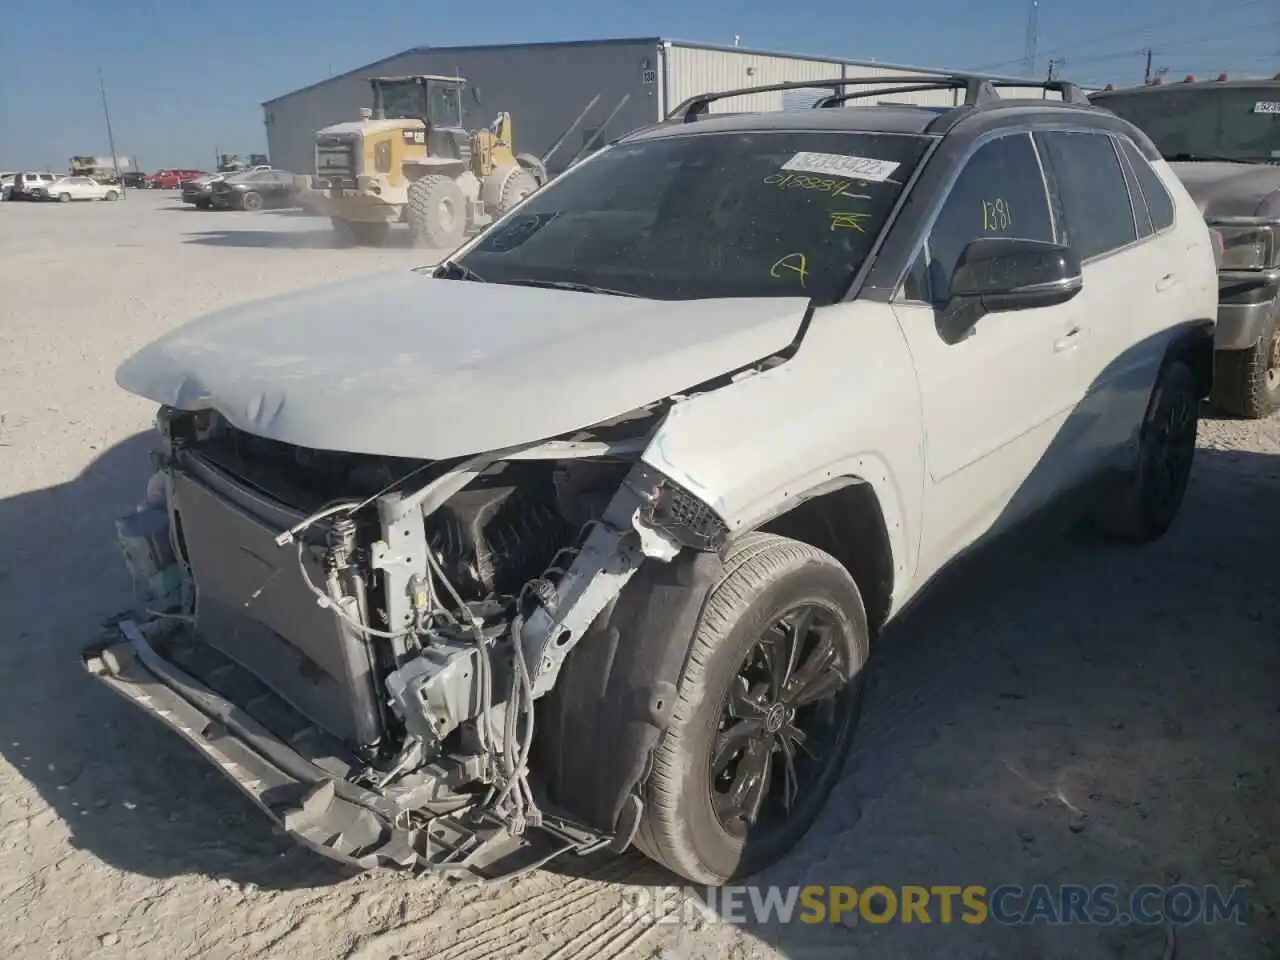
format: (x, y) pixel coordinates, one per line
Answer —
(1057, 712)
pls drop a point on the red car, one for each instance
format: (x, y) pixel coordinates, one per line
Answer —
(171, 179)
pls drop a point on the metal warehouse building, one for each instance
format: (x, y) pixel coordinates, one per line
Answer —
(545, 86)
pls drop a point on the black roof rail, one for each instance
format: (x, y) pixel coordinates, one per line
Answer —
(1070, 92)
(978, 90)
(697, 106)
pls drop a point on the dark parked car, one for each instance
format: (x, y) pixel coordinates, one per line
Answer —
(255, 190)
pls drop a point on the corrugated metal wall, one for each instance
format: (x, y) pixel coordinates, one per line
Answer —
(694, 70)
(544, 87)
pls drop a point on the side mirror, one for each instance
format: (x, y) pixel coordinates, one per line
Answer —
(997, 274)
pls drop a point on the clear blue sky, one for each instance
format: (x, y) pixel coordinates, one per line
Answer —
(187, 76)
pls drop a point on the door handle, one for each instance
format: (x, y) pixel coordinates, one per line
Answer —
(1165, 282)
(1069, 341)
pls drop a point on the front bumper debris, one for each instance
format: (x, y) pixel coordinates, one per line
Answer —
(335, 817)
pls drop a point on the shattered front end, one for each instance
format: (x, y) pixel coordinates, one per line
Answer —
(358, 642)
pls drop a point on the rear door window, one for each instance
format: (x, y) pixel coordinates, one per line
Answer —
(1097, 211)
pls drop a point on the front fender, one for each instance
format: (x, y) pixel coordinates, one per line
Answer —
(844, 408)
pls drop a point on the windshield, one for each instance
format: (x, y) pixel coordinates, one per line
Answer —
(400, 100)
(1226, 122)
(761, 214)
(403, 100)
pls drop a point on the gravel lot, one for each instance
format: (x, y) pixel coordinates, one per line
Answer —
(1057, 712)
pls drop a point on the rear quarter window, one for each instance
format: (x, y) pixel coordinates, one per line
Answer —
(1153, 189)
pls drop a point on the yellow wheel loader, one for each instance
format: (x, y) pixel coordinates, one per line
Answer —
(410, 159)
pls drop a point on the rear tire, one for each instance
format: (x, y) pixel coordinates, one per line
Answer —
(437, 212)
(251, 201)
(111, 195)
(204, 204)
(64, 198)
(1145, 508)
(695, 821)
(1246, 383)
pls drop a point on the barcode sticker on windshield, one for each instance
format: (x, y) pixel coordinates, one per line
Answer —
(842, 165)
(1266, 106)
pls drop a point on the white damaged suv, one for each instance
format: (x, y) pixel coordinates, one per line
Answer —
(582, 538)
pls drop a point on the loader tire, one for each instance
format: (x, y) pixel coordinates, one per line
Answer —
(437, 212)
(518, 185)
(535, 166)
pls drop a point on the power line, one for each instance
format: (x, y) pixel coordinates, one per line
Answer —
(1075, 45)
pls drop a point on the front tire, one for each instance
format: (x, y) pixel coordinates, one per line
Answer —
(1246, 383)
(64, 198)
(437, 212)
(766, 711)
(251, 201)
(1145, 508)
(111, 195)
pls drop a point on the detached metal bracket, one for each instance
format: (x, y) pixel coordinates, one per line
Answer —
(614, 550)
(401, 555)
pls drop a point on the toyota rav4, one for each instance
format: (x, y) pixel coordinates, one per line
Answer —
(582, 538)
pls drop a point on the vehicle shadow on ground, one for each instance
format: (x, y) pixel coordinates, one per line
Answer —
(319, 239)
(123, 785)
(296, 212)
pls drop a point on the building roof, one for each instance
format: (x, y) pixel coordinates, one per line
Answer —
(688, 44)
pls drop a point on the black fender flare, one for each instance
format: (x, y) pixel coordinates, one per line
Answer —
(596, 731)
(1191, 342)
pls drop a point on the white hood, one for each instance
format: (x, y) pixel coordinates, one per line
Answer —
(408, 365)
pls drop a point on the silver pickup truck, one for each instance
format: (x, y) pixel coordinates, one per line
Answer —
(1222, 138)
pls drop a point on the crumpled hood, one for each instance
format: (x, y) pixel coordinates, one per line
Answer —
(409, 365)
(1232, 189)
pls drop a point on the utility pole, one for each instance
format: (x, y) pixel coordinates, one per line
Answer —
(1032, 40)
(111, 139)
(1146, 74)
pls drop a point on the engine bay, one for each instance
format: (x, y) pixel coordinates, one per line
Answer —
(432, 601)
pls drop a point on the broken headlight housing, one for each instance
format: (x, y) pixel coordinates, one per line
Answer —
(684, 517)
(1243, 245)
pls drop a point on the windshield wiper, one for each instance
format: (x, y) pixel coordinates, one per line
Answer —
(569, 285)
(1212, 158)
(450, 269)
